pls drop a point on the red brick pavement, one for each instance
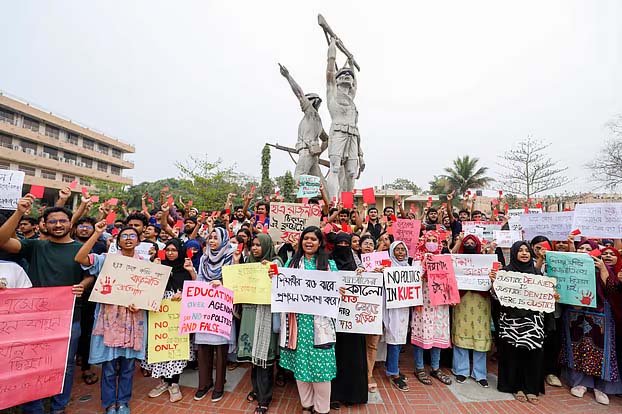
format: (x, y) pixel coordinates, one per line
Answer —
(435, 399)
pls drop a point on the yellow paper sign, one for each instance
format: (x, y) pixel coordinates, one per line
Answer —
(164, 342)
(249, 282)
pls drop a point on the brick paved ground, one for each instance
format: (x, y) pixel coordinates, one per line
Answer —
(435, 399)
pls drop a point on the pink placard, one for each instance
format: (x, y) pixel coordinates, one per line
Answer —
(36, 326)
(373, 260)
(407, 231)
(206, 309)
(442, 285)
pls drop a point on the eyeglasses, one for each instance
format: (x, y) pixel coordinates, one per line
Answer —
(126, 236)
(81, 227)
(61, 221)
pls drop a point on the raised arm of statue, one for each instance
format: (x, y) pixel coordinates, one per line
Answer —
(295, 87)
(330, 67)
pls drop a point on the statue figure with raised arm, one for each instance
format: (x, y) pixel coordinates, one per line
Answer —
(312, 140)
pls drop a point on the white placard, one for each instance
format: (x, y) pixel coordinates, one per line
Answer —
(554, 226)
(514, 215)
(599, 220)
(506, 238)
(403, 286)
(484, 230)
(360, 310)
(312, 292)
(142, 249)
(472, 270)
(525, 291)
(11, 183)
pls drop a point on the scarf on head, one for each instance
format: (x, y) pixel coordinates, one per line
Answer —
(196, 257)
(478, 244)
(394, 261)
(343, 255)
(421, 250)
(212, 263)
(178, 273)
(592, 244)
(516, 265)
(618, 266)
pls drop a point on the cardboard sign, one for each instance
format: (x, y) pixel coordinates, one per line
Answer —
(373, 260)
(599, 220)
(525, 291)
(164, 342)
(35, 328)
(472, 270)
(360, 310)
(442, 286)
(142, 249)
(554, 226)
(309, 186)
(11, 183)
(576, 277)
(484, 230)
(249, 282)
(288, 220)
(127, 281)
(403, 286)
(407, 231)
(506, 238)
(312, 292)
(206, 309)
(515, 213)
(369, 197)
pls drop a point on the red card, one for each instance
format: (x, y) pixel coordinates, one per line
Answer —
(385, 263)
(368, 196)
(262, 218)
(228, 211)
(348, 199)
(539, 205)
(37, 190)
(84, 190)
(500, 192)
(575, 232)
(189, 203)
(240, 247)
(468, 193)
(345, 228)
(111, 217)
(113, 201)
(274, 268)
(366, 219)
(95, 199)
(179, 224)
(253, 188)
(529, 200)
(203, 216)
(526, 210)
(214, 214)
(595, 253)
(495, 212)
(170, 201)
(264, 230)
(73, 184)
(495, 266)
(546, 246)
(444, 205)
(412, 208)
(494, 201)
(161, 255)
(115, 231)
(189, 253)
(305, 201)
(234, 223)
(150, 199)
(506, 208)
(393, 218)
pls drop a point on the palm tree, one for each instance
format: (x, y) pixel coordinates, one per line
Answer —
(465, 174)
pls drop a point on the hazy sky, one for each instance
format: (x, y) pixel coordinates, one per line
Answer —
(439, 79)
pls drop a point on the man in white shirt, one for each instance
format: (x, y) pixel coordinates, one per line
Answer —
(13, 276)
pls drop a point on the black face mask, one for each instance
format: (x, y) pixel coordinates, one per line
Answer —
(468, 249)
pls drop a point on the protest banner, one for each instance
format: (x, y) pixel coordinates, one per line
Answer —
(598, 220)
(360, 310)
(472, 270)
(576, 277)
(407, 231)
(206, 309)
(142, 249)
(403, 286)
(309, 186)
(164, 341)
(514, 215)
(525, 291)
(442, 285)
(288, 220)
(11, 183)
(249, 282)
(312, 292)
(35, 328)
(554, 226)
(127, 281)
(506, 238)
(484, 230)
(373, 260)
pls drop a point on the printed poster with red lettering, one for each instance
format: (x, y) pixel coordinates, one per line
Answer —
(206, 309)
(403, 286)
(35, 326)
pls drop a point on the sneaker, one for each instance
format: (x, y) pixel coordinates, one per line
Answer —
(399, 383)
(159, 390)
(601, 397)
(460, 379)
(578, 391)
(201, 393)
(483, 383)
(175, 393)
(123, 409)
(217, 395)
(553, 381)
(111, 410)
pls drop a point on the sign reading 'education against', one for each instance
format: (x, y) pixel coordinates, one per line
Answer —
(206, 309)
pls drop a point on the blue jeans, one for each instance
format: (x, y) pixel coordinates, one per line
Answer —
(461, 363)
(435, 356)
(393, 359)
(60, 401)
(117, 388)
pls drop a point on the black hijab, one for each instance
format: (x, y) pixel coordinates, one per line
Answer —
(178, 273)
(516, 265)
(342, 255)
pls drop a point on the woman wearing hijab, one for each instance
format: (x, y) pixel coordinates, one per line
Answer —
(613, 260)
(257, 341)
(588, 340)
(430, 324)
(521, 337)
(350, 384)
(169, 371)
(197, 252)
(219, 254)
(307, 341)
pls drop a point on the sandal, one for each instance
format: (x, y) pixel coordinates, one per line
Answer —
(441, 376)
(232, 366)
(308, 409)
(520, 396)
(261, 410)
(90, 378)
(251, 396)
(335, 405)
(533, 398)
(423, 377)
(373, 387)
(399, 383)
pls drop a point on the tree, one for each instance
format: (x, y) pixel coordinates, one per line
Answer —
(438, 185)
(266, 183)
(465, 174)
(529, 171)
(404, 184)
(607, 167)
(288, 187)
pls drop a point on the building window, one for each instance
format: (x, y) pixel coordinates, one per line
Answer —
(115, 170)
(52, 131)
(70, 157)
(72, 138)
(52, 152)
(102, 166)
(31, 124)
(68, 178)
(117, 153)
(104, 149)
(6, 141)
(7, 116)
(88, 144)
(27, 170)
(4, 165)
(29, 147)
(50, 175)
(84, 181)
(87, 162)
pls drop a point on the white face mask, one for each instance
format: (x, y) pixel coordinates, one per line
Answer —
(234, 246)
(431, 246)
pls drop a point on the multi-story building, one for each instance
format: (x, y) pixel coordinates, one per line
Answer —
(54, 151)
